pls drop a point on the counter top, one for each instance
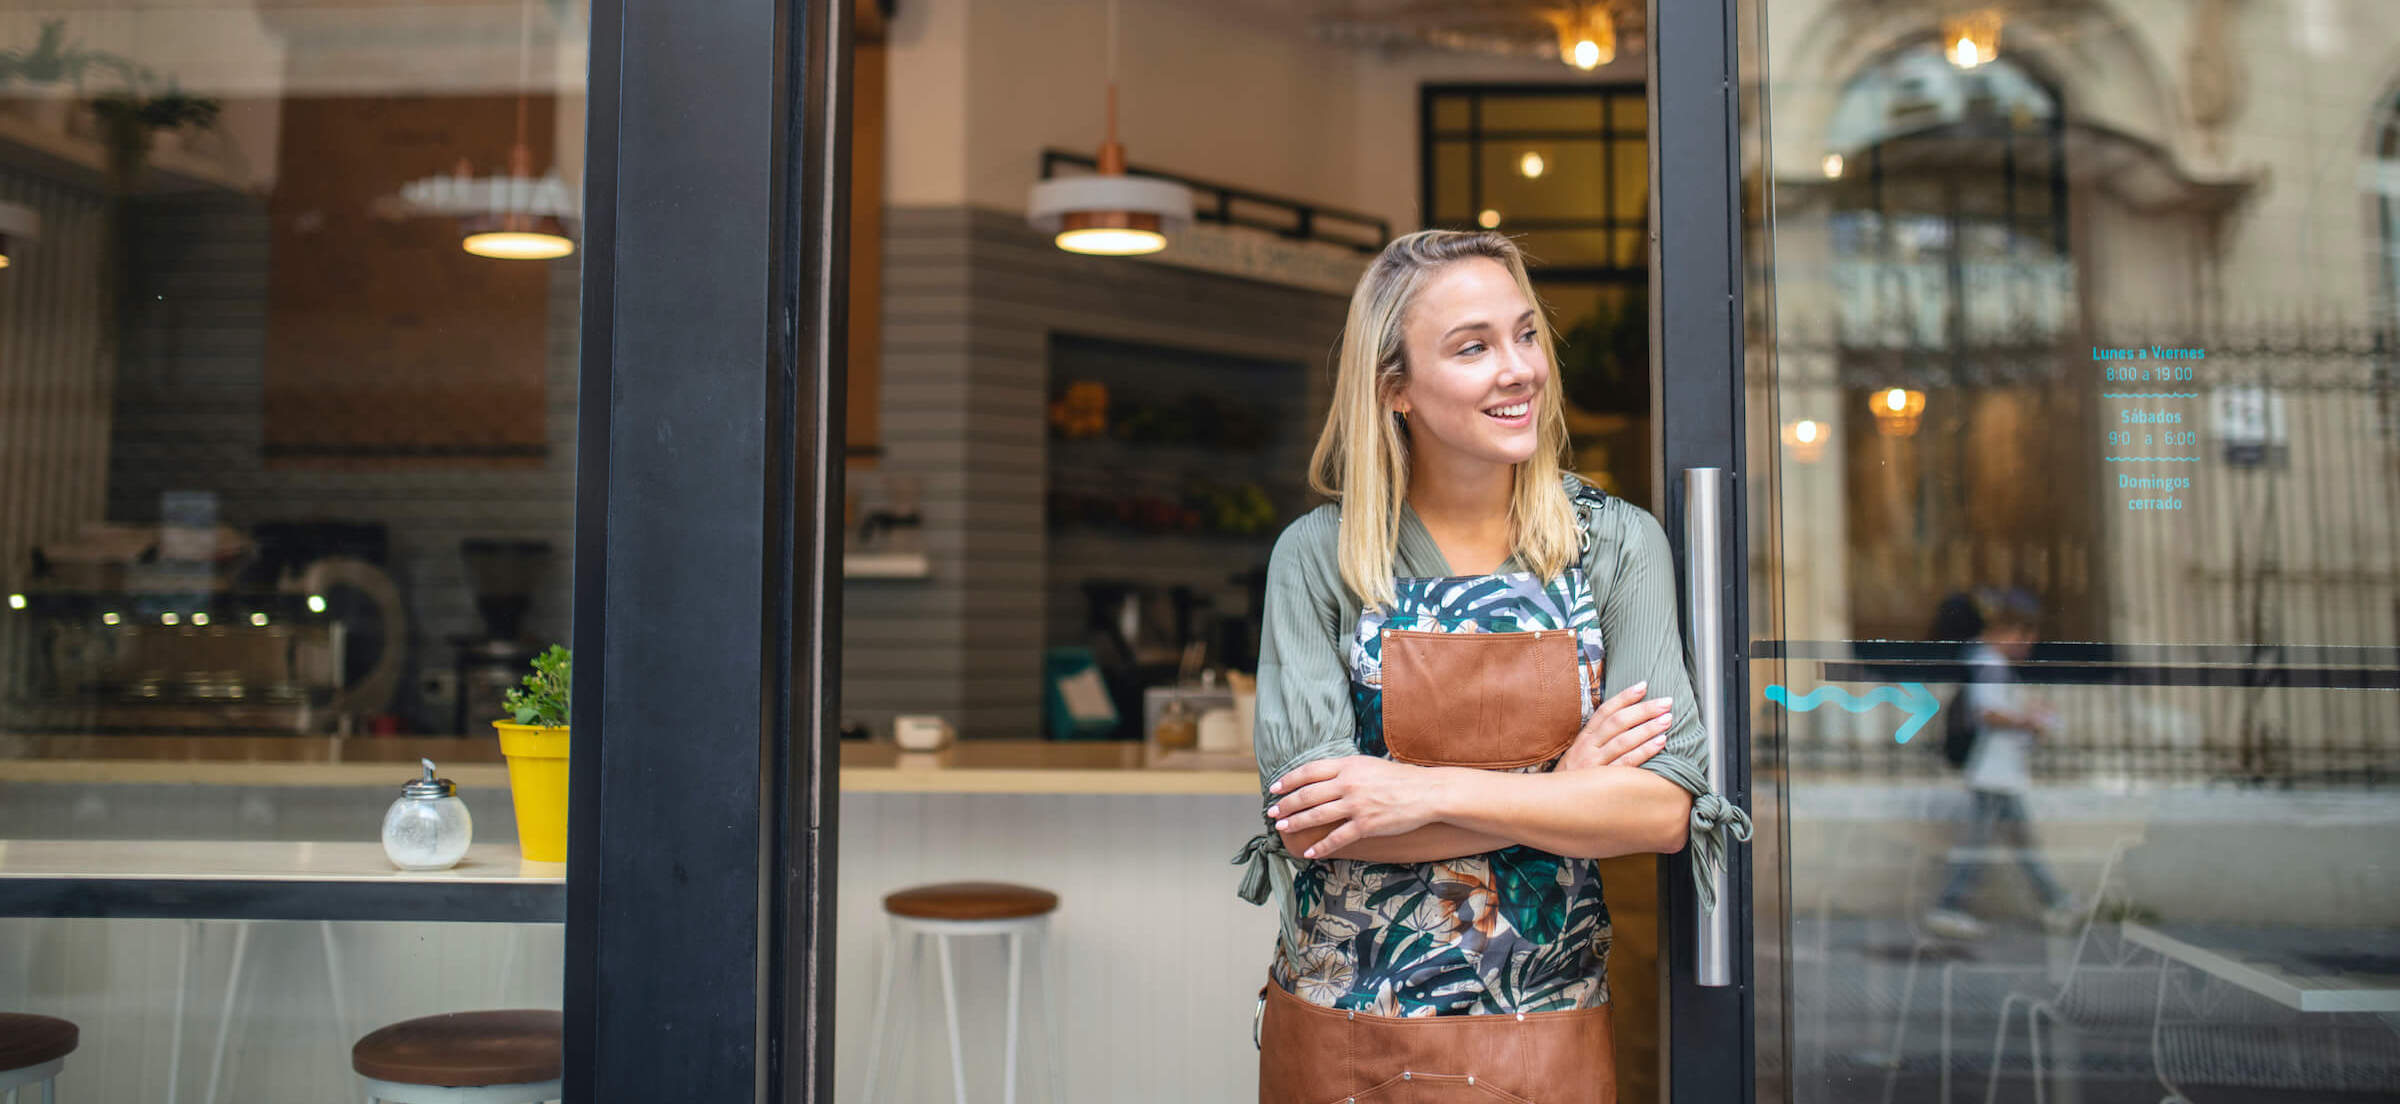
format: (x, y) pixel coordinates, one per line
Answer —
(268, 880)
(1039, 766)
(966, 766)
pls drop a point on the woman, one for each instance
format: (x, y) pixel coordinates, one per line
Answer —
(1467, 695)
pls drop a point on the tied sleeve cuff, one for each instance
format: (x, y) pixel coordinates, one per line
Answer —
(1267, 871)
(1716, 825)
(1254, 858)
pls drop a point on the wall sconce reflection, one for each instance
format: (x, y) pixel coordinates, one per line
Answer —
(1833, 166)
(1531, 166)
(1897, 411)
(1805, 439)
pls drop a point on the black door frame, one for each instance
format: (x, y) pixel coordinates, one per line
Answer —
(1710, 1052)
(706, 552)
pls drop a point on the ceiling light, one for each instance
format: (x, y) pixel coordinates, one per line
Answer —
(1897, 410)
(1972, 39)
(1806, 439)
(1531, 165)
(1587, 34)
(1833, 166)
(1109, 213)
(515, 216)
(1489, 219)
(19, 225)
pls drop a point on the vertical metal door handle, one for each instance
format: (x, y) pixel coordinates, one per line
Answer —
(1703, 591)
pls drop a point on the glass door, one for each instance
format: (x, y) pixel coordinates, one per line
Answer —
(2071, 441)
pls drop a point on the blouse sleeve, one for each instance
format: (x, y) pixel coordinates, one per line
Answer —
(1303, 686)
(1639, 626)
(1303, 711)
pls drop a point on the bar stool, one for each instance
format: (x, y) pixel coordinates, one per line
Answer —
(943, 912)
(32, 1051)
(507, 1057)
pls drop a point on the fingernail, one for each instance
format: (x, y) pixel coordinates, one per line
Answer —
(1274, 810)
(1309, 854)
(1283, 825)
(1658, 741)
(1665, 702)
(1275, 787)
(1640, 686)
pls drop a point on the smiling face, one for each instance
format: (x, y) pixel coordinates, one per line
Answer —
(1476, 367)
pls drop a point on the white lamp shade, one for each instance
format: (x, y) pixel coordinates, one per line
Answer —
(1052, 200)
(20, 222)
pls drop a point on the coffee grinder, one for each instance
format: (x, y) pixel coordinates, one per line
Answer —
(503, 574)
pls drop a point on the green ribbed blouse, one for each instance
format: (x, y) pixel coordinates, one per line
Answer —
(1304, 684)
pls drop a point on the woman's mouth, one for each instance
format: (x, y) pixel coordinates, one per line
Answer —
(1513, 415)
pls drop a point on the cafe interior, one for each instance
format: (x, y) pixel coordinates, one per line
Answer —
(287, 505)
(297, 373)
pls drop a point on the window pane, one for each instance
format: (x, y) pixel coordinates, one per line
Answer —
(1453, 188)
(1453, 112)
(1570, 114)
(287, 477)
(1569, 184)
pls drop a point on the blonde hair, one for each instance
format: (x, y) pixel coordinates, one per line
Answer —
(1361, 457)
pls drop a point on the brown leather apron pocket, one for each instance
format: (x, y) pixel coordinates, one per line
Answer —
(1314, 1055)
(1486, 700)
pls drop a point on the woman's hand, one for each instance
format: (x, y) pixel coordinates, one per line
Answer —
(1361, 795)
(1624, 732)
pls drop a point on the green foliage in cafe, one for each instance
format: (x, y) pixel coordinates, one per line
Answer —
(543, 698)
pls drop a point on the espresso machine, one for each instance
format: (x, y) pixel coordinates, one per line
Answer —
(189, 626)
(504, 575)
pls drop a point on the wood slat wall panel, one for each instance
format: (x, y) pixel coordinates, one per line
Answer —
(55, 389)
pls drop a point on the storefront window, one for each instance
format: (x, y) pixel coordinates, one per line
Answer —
(288, 353)
(2074, 603)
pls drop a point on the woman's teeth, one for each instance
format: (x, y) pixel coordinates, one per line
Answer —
(1517, 411)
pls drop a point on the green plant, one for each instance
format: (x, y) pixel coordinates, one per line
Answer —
(543, 700)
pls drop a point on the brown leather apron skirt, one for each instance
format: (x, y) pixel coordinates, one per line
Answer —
(1310, 1054)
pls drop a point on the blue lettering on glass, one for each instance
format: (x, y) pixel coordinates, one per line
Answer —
(1912, 698)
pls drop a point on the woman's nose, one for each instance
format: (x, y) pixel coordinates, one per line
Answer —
(1521, 364)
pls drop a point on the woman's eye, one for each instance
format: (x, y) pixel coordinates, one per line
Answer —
(1471, 348)
(1526, 337)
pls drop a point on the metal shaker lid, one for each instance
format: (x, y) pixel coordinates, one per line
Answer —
(429, 786)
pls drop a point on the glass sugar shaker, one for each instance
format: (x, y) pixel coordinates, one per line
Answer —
(428, 827)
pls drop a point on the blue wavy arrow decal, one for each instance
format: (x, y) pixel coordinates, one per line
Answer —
(1912, 698)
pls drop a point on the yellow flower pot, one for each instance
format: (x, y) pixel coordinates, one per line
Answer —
(537, 781)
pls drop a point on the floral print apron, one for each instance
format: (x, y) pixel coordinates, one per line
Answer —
(1510, 931)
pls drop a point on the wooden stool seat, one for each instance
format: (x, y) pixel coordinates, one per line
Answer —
(27, 1040)
(463, 1049)
(970, 901)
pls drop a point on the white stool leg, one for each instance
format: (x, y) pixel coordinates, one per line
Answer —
(958, 1052)
(183, 994)
(333, 988)
(233, 990)
(883, 1005)
(1049, 973)
(1016, 969)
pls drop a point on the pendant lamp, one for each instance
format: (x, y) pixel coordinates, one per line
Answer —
(510, 231)
(1587, 34)
(515, 216)
(19, 225)
(1109, 213)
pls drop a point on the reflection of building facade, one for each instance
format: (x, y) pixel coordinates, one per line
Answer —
(2191, 176)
